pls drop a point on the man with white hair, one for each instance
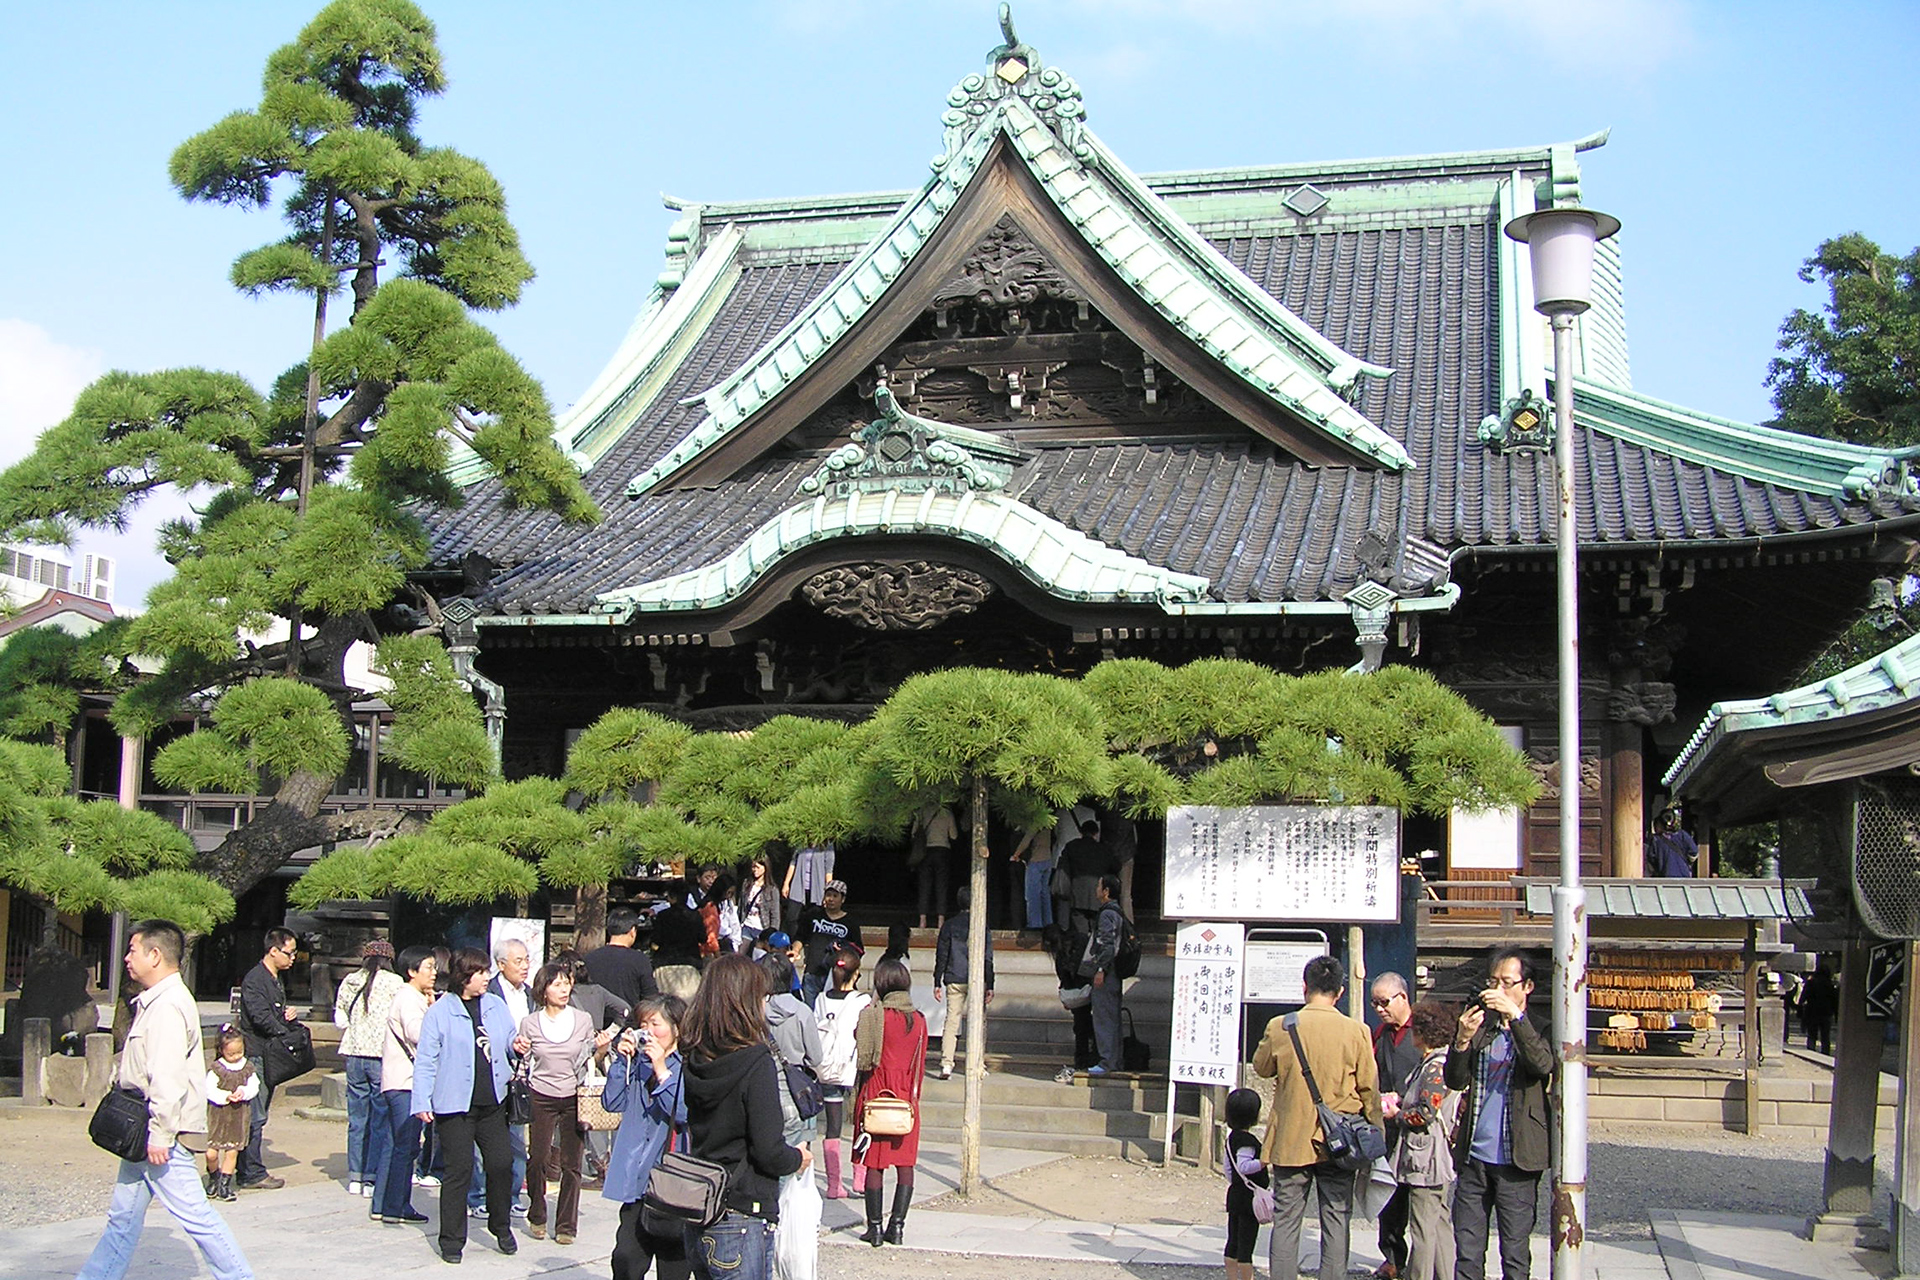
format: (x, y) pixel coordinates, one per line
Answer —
(1396, 1057)
(512, 962)
(163, 1060)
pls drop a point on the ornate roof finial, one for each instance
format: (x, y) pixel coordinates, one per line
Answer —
(1013, 71)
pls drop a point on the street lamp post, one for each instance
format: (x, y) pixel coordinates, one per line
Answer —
(1560, 244)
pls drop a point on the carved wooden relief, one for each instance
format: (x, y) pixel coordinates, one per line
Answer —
(911, 595)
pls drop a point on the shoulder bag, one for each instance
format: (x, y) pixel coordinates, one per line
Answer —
(809, 1099)
(120, 1122)
(520, 1091)
(1263, 1203)
(282, 1058)
(683, 1191)
(886, 1114)
(1351, 1142)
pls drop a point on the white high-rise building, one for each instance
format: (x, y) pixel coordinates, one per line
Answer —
(28, 572)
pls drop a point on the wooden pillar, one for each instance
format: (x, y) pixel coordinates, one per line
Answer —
(1906, 1177)
(1847, 1190)
(132, 762)
(1750, 1028)
(1626, 803)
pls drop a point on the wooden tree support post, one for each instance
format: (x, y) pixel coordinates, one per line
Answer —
(976, 995)
(1750, 1027)
(1906, 1176)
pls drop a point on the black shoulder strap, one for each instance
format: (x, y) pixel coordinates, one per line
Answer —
(1292, 1024)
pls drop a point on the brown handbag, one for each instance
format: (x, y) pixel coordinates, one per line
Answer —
(888, 1115)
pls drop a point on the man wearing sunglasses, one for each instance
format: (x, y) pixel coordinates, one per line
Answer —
(1396, 1057)
(1504, 1064)
(264, 1017)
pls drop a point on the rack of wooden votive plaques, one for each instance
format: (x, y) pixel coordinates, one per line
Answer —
(1669, 998)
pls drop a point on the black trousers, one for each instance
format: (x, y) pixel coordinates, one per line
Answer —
(1393, 1229)
(460, 1132)
(634, 1250)
(1504, 1192)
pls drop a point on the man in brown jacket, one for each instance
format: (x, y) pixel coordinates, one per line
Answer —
(1341, 1057)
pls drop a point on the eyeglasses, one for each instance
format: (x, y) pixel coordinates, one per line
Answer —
(1382, 1002)
(1508, 983)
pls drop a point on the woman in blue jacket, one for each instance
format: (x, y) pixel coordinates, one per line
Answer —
(460, 1074)
(643, 1080)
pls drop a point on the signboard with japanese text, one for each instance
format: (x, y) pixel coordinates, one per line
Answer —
(1323, 863)
(1206, 1004)
(1276, 969)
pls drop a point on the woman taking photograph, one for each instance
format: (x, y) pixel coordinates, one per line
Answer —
(890, 1053)
(561, 1041)
(646, 1085)
(733, 1110)
(467, 1027)
(360, 1011)
(393, 1185)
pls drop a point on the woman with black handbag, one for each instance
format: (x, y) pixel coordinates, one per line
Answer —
(733, 1110)
(460, 1080)
(890, 1052)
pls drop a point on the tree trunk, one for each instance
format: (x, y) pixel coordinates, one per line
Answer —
(589, 917)
(976, 995)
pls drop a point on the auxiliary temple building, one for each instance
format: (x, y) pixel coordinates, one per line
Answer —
(1041, 410)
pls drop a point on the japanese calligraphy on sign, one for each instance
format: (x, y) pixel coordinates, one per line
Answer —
(1206, 1004)
(1334, 863)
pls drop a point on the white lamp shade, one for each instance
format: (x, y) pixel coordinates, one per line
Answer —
(1560, 243)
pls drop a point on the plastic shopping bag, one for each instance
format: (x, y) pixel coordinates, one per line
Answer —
(796, 1239)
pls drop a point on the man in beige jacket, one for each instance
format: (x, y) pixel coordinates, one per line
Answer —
(163, 1060)
(1340, 1055)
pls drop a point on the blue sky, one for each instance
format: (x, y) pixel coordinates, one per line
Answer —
(1743, 135)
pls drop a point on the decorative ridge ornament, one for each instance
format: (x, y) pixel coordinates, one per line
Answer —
(1052, 95)
(899, 450)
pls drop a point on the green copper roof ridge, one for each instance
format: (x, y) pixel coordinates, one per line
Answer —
(1833, 468)
(1887, 679)
(989, 520)
(1491, 157)
(1341, 367)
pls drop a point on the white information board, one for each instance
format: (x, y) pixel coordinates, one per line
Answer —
(1206, 1004)
(1276, 971)
(1488, 841)
(1332, 863)
(531, 932)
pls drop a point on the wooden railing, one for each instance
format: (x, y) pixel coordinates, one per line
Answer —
(206, 815)
(1472, 903)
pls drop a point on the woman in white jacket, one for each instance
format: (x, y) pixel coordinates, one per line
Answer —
(835, 1012)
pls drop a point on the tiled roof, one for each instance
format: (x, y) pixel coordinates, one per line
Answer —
(1681, 899)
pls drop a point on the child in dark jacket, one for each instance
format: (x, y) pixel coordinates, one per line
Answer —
(1244, 1172)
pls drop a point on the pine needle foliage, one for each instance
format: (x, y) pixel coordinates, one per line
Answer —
(437, 727)
(625, 749)
(308, 496)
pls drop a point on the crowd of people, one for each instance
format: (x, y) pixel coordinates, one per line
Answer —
(1459, 1102)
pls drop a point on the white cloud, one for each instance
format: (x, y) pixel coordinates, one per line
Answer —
(39, 377)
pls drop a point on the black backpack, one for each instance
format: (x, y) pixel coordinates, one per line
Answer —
(1126, 962)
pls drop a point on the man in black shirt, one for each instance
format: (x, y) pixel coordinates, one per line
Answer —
(264, 1017)
(821, 931)
(620, 966)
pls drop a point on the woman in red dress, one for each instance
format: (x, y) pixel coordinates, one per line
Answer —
(890, 1052)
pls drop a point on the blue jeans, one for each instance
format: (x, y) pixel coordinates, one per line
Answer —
(738, 1247)
(1039, 894)
(393, 1184)
(177, 1183)
(251, 1165)
(517, 1138)
(368, 1135)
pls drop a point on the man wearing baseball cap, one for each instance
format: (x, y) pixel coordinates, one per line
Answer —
(822, 929)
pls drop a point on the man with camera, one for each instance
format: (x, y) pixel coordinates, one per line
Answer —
(1336, 1050)
(1503, 1064)
(264, 1018)
(164, 1061)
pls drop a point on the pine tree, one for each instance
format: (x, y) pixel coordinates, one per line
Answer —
(317, 483)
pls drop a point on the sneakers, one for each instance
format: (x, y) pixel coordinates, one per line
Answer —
(1063, 1076)
(946, 1071)
(353, 1187)
(1096, 1071)
(425, 1180)
(366, 1189)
